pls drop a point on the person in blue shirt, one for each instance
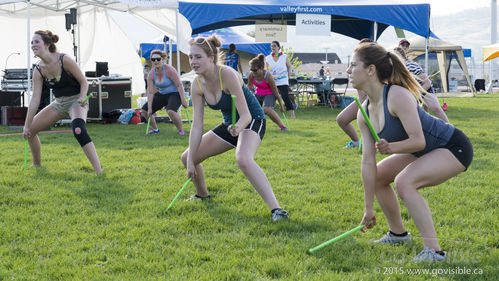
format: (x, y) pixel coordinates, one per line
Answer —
(232, 59)
(214, 84)
(425, 151)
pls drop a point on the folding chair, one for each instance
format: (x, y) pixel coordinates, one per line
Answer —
(338, 81)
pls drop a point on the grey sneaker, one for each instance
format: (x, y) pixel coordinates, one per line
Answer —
(279, 214)
(393, 240)
(428, 254)
(197, 197)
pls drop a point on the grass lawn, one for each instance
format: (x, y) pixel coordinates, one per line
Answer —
(61, 222)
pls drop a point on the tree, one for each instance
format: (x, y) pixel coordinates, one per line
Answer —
(295, 62)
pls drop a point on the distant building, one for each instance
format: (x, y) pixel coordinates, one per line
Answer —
(317, 57)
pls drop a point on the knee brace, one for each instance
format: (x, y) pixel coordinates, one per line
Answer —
(82, 137)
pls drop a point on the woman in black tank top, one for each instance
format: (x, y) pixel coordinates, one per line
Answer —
(62, 74)
(403, 130)
(214, 84)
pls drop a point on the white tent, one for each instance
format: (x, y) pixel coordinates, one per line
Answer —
(441, 48)
(97, 36)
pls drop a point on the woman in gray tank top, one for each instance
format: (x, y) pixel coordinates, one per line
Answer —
(425, 151)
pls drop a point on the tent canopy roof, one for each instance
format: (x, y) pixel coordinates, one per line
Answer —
(229, 35)
(434, 45)
(353, 18)
(490, 52)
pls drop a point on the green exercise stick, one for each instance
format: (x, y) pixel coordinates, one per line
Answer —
(86, 99)
(187, 114)
(285, 119)
(180, 192)
(25, 154)
(148, 123)
(373, 132)
(233, 111)
(310, 251)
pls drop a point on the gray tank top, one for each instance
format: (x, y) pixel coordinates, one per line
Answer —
(436, 132)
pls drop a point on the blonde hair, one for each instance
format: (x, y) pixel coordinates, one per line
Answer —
(210, 45)
(163, 54)
(389, 68)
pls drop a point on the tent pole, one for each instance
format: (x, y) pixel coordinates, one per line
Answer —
(375, 31)
(426, 55)
(28, 51)
(177, 34)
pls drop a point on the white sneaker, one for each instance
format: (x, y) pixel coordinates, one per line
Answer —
(428, 254)
(391, 239)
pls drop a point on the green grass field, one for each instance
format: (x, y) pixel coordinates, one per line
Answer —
(61, 222)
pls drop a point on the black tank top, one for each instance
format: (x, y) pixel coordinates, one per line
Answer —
(65, 87)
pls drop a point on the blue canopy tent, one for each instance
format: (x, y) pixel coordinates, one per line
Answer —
(354, 18)
(243, 43)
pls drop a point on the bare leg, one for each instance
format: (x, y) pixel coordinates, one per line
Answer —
(210, 145)
(247, 147)
(89, 148)
(388, 169)
(43, 119)
(431, 169)
(152, 123)
(175, 117)
(273, 116)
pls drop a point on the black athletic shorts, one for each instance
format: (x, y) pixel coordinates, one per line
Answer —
(171, 101)
(460, 145)
(221, 131)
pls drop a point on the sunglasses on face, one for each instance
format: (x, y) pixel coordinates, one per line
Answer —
(155, 59)
(253, 70)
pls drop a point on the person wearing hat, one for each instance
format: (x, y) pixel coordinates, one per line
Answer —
(430, 99)
(404, 44)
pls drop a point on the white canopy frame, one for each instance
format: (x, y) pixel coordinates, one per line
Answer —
(156, 13)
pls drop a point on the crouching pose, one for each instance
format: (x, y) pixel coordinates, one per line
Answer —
(425, 151)
(60, 73)
(214, 85)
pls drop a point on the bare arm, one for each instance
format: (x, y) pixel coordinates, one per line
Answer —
(368, 168)
(402, 105)
(35, 99)
(251, 86)
(425, 80)
(288, 66)
(232, 83)
(173, 75)
(150, 91)
(196, 126)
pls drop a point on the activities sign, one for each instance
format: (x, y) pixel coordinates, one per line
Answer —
(313, 24)
(270, 32)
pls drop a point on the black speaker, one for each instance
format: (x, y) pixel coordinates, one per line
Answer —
(68, 21)
(101, 69)
(10, 98)
(479, 85)
(74, 15)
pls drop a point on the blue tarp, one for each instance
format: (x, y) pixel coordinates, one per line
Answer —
(228, 35)
(353, 18)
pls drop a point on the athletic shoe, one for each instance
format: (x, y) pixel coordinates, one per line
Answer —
(152, 131)
(197, 197)
(284, 128)
(352, 144)
(429, 255)
(391, 239)
(279, 214)
(181, 132)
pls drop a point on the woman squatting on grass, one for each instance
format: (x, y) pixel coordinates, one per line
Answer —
(266, 91)
(214, 85)
(60, 73)
(425, 150)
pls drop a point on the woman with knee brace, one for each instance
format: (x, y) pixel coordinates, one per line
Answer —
(60, 73)
(214, 85)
